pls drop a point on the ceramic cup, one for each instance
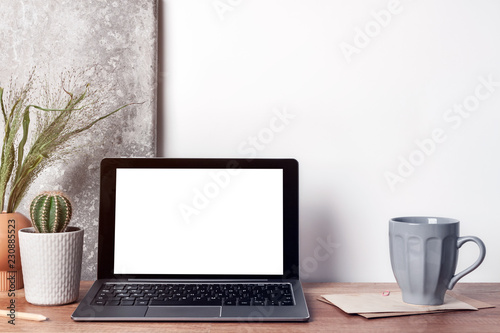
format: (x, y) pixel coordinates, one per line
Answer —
(424, 255)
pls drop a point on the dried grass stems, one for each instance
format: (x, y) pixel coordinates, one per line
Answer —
(29, 145)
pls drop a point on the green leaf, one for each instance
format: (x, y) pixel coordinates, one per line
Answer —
(79, 130)
(20, 150)
(3, 106)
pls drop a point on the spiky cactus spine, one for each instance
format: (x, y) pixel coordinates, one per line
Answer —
(50, 212)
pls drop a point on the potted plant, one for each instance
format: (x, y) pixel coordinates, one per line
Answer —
(51, 252)
(28, 148)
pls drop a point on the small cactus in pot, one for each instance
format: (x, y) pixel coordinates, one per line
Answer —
(51, 252)
(50, 212)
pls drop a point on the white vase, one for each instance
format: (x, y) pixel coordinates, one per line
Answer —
(52, 264)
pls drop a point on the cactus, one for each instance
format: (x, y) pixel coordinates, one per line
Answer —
(50, 212)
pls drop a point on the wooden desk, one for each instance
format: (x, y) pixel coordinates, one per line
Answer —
(324, 317)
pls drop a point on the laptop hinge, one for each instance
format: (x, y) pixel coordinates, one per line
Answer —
(204, 280)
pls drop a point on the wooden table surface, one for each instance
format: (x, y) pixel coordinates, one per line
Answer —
(324, 317)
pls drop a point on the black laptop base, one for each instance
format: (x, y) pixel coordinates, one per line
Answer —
(88, 310)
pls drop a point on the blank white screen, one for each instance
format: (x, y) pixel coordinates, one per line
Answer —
(199, 221)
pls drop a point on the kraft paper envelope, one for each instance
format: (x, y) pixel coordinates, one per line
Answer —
(361, 303)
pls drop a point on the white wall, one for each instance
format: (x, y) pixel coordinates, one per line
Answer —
(228, 66)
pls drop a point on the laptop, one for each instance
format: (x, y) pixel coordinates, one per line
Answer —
(197, 240)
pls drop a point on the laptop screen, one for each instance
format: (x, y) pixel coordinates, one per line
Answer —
(198, 218)
(200, 221)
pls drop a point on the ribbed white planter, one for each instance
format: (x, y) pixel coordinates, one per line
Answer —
(52, 264)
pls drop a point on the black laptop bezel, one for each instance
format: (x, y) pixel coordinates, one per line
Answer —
(106, 238)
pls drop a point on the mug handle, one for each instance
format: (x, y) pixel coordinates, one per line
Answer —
(482, 253)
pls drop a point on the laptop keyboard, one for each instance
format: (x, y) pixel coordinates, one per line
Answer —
(276, 294)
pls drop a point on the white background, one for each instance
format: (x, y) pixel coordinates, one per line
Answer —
(224, 75)
(237, 227)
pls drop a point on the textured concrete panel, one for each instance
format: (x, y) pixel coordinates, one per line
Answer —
(117, 42)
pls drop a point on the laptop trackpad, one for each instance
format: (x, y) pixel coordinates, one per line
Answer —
(184, 311)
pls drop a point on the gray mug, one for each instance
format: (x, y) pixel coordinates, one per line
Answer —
(424, 255)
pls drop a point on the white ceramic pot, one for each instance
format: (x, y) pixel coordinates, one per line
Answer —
(52, 264)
